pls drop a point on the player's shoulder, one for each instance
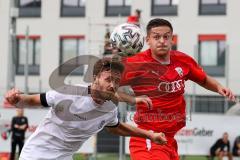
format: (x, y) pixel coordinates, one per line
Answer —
(14, 117)
(25, 117)
(70, 91)
(182, 57)
(179, 54)
(111, 106)
(139, 57)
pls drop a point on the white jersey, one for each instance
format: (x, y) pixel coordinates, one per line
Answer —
(71, 120)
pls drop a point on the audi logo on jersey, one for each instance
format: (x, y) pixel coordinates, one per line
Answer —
(171, 87)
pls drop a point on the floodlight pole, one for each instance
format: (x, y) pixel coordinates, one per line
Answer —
(12, 45)
(26, 68)
(226, 104)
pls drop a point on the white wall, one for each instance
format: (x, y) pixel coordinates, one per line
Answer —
(187, 25)
(4, 18)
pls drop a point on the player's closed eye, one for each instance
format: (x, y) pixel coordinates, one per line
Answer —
(109, 79)
(115, 80)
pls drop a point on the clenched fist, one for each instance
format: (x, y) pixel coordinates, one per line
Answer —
(158, 138)
(13, 96)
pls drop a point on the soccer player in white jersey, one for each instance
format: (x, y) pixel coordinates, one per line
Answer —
(72, 119)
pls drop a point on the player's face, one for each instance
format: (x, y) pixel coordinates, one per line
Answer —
(20, 112)
(225, 137)
(108, 81)
(159, 40)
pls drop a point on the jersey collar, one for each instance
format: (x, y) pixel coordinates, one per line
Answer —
(149, 56)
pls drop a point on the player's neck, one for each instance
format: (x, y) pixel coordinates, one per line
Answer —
(163, 59)
(93, 91)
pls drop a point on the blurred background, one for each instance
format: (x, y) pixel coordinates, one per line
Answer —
(36, 36)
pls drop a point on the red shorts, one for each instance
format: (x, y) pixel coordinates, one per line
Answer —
(144, 149)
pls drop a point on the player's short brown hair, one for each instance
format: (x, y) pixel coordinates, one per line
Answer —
(156, 22)
(106, 64)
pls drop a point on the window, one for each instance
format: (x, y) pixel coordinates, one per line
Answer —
(29, 8)
(211, 104)
(70, 47)
(107, 143)
(33, 55)
(164, 7)
(212, 50)
(118, 7)
(212, 7)
(73, 8)
(174, 45)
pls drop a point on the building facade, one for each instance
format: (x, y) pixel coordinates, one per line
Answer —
(58, 30)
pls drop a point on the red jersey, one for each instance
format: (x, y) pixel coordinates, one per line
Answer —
(164, 84)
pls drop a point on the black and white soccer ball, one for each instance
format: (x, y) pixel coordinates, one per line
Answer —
(128, 38)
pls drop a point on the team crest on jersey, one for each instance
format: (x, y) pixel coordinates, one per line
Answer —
(179, 71)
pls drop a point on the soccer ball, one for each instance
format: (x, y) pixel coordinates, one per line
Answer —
(128, 38)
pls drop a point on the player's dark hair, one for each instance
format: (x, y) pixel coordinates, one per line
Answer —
(106, 64)
(156, 22)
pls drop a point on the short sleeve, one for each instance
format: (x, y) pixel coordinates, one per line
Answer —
(13, 123)
(196, 72)
(26, 121)
(51, 97)
(76, 89)
(114, 122)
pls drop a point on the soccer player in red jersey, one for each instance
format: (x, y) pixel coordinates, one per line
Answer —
(160, 73)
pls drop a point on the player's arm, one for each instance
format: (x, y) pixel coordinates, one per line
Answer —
(13, 124)
(23, 127)
(213, 85)
(16, 98)
(124, 129)
(198, 75)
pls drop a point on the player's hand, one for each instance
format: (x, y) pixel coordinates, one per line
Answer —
(13, 96)
(159, 138)
(144, 99)
(226, 92)
(16, 126)
(23, 127)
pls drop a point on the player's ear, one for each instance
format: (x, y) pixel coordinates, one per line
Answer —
(147, 39)
(172, 41)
